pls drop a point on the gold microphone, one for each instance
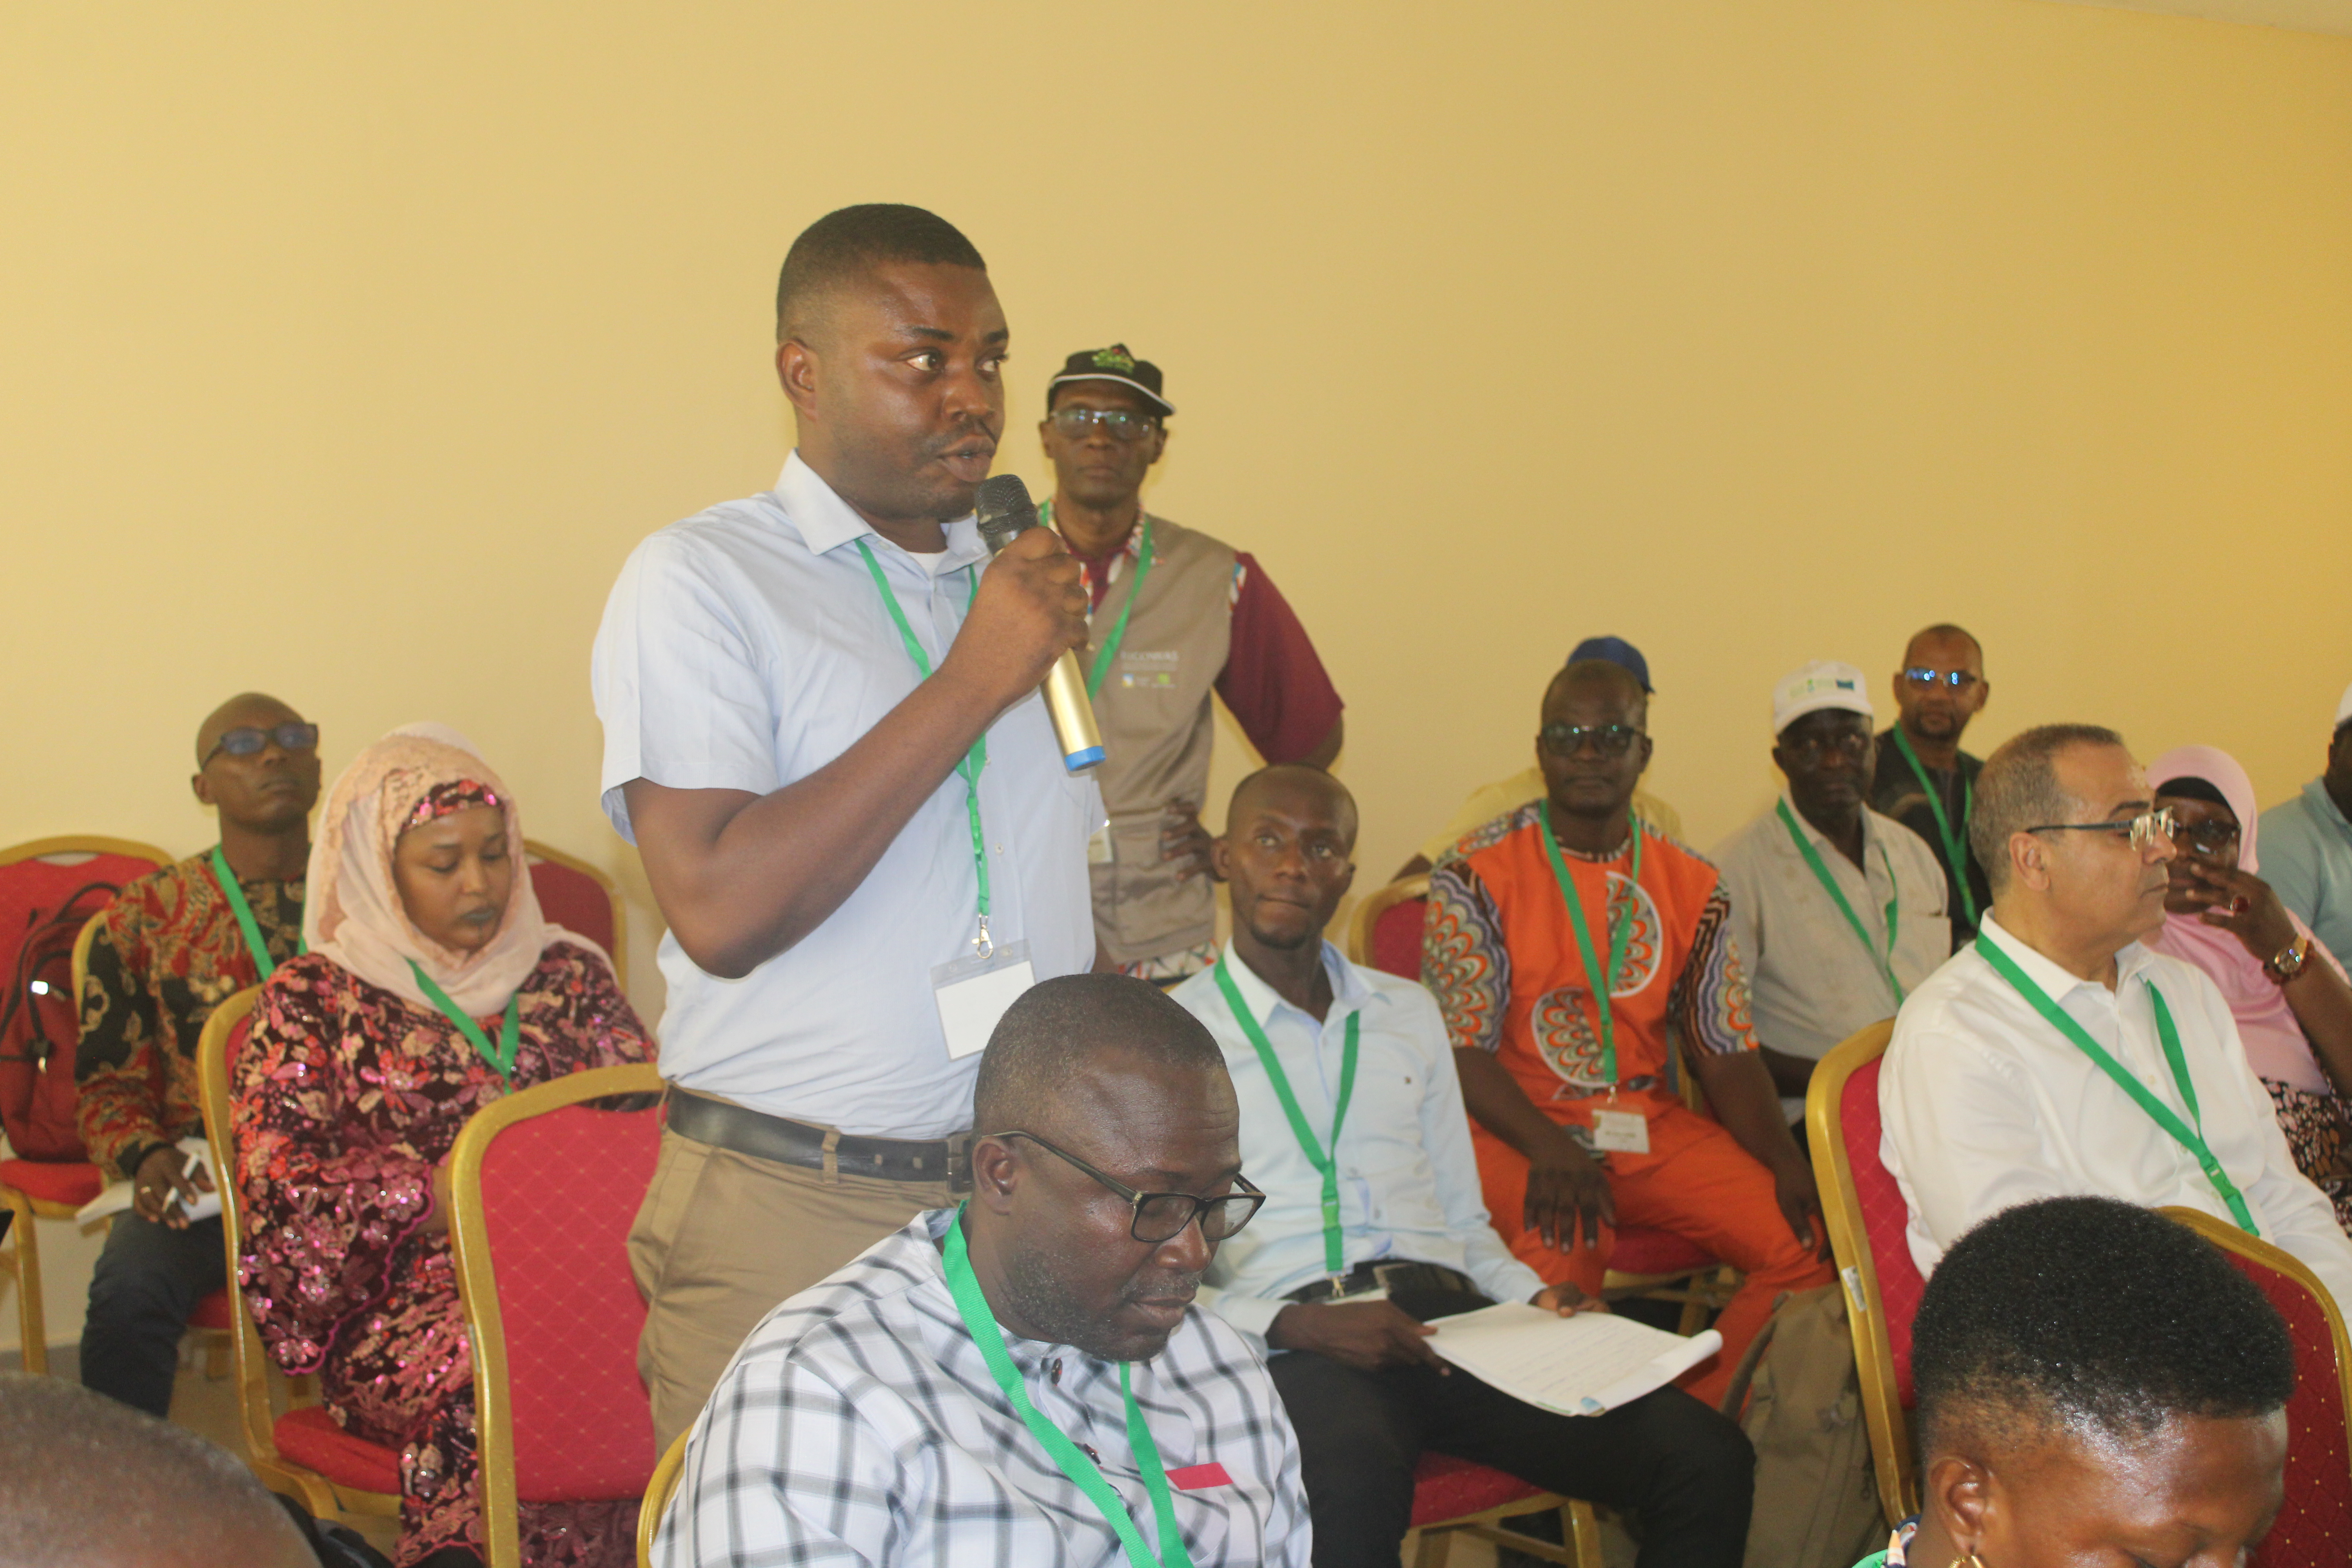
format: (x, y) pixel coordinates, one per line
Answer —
(1006, 512)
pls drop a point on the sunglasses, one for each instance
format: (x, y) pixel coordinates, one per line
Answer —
(1927, 680)
(249, 742)
(1117, 423)
(1160, 1216)
(1567, 739)
(2139, 829)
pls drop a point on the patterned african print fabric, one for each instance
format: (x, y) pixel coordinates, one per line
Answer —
(1498, 951)
(167, 953)
(2318, 1129)
(347, 1098)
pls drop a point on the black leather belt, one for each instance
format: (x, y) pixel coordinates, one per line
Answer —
(1390, 1277)
(726, 1125)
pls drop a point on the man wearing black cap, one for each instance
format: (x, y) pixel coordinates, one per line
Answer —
(1175, 614)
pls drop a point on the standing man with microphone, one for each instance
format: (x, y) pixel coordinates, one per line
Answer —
(824, 733)
(1175, 614)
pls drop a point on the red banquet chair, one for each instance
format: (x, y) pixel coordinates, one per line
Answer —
(578, 897)
(43, 875)
(1453, 1497)
(1866, 1218)
(302, 1452)
(553, 1311)
(1385, 933)
(2315, 1522)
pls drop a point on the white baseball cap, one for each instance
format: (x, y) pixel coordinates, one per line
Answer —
(2344, 709)
(1824, 683)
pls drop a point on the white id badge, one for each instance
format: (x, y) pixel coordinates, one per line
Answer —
(1099, 847)
(1620, 1131)
(973, 992)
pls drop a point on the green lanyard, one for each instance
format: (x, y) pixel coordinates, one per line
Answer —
(981, 1323)
(1828, 884)
(974, 761)
(1109, 649)
(1956, 849)
(509, 1027)
(244, 912)
(1617, 936)
(2189, 1138)
(1335, 1257)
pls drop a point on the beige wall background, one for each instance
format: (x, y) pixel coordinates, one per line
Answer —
(350, 349)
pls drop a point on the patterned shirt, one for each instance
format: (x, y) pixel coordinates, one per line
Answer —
(858, 1424)
(1500, 953)
(167, 953)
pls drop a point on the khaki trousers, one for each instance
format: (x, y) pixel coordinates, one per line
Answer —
(722, 1237)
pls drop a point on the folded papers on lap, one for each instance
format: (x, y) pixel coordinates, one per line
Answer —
(1581, 1365)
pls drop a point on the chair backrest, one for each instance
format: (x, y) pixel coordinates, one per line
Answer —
(1386, 931)
(543, 1188)
(1866, 1219)
(578, 897)
(223, 1037)
(2317, 1521)
(46, 871)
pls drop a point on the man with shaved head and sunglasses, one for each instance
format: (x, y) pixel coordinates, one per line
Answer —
(173, 946)
(2057, 1055)
(1025, 1377)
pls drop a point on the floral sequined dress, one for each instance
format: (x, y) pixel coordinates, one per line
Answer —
(348, 1096)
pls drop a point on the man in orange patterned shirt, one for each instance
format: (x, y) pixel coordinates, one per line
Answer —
(1569, 1085)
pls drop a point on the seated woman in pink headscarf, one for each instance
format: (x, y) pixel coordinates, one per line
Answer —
(431, 987)
(2286, 991)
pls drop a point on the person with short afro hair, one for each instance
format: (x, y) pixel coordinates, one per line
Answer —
(2096, 1382)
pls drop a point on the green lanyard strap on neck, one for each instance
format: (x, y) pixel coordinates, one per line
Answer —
(2190, 1138)
(979, 1322)
(1956, 843)
(1326, 1162)
(1145, 556)
(1884, 962)
(227, 879)
(975, 761)
(502, 1058)
(1602, 983)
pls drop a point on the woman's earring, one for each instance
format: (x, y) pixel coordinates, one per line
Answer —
(1967, 1561)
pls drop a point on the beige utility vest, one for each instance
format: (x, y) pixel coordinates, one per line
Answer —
(1157, 728)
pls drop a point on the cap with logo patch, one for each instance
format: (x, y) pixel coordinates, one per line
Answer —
(1824, 683)
(1113, 364)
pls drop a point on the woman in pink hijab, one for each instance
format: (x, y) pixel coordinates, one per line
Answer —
(2286, 991)
(431, 987)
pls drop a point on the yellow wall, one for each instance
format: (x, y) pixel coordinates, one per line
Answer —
(349, 349)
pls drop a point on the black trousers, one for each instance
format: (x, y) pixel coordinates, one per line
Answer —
(1684, 1470)
(149, 1279)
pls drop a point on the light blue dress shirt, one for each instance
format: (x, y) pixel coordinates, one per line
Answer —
(2307, 859)
(745, 648)
(1408, 1180)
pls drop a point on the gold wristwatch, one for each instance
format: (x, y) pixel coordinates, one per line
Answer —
(2289, 962)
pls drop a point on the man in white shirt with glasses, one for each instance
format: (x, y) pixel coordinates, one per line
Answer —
(2058, 1056)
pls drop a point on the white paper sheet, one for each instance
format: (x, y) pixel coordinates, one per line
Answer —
(1576, 1366)
(120, 1197)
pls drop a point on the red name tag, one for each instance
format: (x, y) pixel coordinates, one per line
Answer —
(1194, 1477)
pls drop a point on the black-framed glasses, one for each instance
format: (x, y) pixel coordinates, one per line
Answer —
(1117, 423)
(1566, 740)
(1159, 1216)
(2139, 829)
(246, 741)
(1854, 746)
(2210, 838)
(1927, 680)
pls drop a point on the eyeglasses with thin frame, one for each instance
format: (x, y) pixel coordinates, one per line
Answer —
(1565, 740)
(1854, 746)
(246, 741)
(1117, 423)
(2139, 829)
(1927, 680)
(1160, 1216)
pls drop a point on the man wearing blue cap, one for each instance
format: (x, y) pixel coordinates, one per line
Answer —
(1504, 797)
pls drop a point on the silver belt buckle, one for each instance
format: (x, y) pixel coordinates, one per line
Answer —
(1378, 1290)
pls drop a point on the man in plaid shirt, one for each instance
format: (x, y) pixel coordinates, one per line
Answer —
(1023, 1380)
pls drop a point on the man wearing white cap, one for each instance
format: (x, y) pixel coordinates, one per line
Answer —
(1838, 912)
(2307, 843)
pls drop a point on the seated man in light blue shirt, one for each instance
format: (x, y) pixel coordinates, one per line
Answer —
(2307, 843)
(1370, 1076)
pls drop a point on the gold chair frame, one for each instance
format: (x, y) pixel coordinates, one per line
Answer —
(1892, 1452)
(469, 1240)
(24, 1234)
(533, 849)
(278, 1473)
(1580, 1531)
(658, 1491)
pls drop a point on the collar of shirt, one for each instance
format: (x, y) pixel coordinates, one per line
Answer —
(1873, 856)
(1350, 992)
(2323, 806)
(2058, 982)
(827, 523)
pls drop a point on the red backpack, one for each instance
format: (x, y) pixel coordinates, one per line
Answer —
(39, 1028)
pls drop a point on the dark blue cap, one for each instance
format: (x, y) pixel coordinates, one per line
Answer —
(1618, 651)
